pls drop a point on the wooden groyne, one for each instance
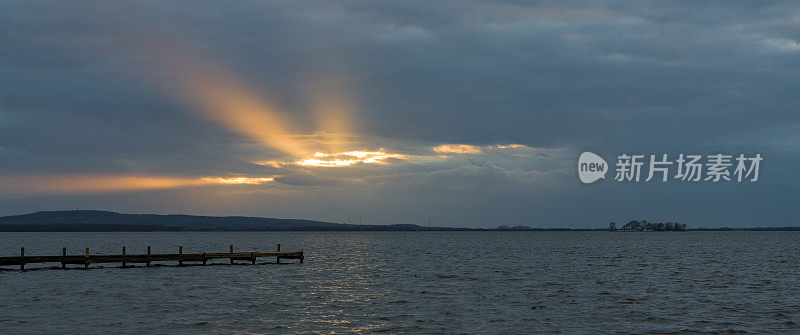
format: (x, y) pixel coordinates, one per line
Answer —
(125, 259)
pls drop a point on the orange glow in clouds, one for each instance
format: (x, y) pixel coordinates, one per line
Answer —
(457, 149)
(64, 184)
(472, 149)
(342, 159)
(238, 180)
(348, 158)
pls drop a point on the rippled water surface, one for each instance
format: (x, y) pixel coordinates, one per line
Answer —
(415, 282)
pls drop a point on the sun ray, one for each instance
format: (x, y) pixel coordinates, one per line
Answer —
(334, 112)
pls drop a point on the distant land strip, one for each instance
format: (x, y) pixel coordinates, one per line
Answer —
(102, 221)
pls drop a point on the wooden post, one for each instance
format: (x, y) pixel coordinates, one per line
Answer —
(148, 256)
(86, 263)
(204, 258)
(278, 258)
(22, 254)
(123, 256)
(180, 255)
(64, 259)
(253, 257)
(231, 255)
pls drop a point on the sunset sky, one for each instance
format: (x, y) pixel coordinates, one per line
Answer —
(470, 113)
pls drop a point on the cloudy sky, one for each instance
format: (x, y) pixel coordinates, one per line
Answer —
(470, 113)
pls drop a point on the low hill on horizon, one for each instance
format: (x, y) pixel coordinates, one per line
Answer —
(95, 220)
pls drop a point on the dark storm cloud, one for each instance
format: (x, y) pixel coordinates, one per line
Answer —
(648, 76)
(536, 74)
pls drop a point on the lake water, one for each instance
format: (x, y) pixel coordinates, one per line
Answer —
(415, 282)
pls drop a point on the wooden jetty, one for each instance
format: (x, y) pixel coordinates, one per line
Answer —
(86, 259)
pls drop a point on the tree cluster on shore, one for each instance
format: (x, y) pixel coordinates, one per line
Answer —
(636, 225)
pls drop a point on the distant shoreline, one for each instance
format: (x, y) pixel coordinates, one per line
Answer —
(78, 227)
(105, 221)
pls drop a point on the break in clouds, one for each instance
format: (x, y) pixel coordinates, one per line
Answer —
(469, 113)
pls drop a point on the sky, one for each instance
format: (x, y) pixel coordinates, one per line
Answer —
(467, 113)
